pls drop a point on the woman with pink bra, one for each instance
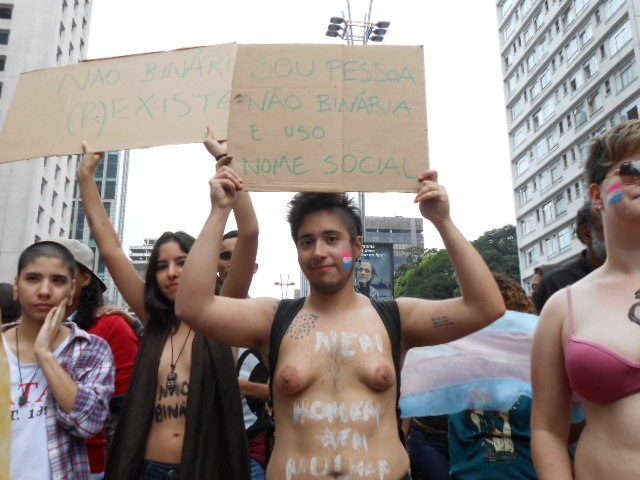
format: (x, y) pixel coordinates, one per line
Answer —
(588, 337)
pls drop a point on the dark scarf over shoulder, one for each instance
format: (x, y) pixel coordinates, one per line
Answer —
(215, 443)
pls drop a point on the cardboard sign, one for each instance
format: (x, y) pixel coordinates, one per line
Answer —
(329, 118)
(120, 103)
(300, 117)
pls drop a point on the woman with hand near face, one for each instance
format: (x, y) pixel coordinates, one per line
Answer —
(61, 376)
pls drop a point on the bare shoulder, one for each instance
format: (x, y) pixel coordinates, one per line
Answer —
(553, 316)
(265, 310)
(267, 304)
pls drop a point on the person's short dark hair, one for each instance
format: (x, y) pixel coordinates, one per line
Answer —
(609, 148)
(91, 298)
(159, 308)
(47, 249)
(538, 270)
(304, 203)
(230, 234)
(584, 217)
(9, 307)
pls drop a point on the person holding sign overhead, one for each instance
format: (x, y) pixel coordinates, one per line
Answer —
(335, 356)
(183, 415)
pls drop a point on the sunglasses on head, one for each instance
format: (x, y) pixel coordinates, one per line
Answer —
(629, 172)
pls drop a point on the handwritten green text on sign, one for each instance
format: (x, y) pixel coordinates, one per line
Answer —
(329, 118)
(122, 102)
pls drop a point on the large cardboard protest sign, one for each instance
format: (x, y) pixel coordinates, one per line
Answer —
(329, 117)
(120, 103)
(297, 117)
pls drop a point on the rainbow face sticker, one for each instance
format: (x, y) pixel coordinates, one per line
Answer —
(615, 193)
(347, 260)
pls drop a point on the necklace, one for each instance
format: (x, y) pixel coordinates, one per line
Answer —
(22, 400)
(172, 376)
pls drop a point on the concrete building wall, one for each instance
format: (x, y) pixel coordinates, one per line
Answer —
(36, 195)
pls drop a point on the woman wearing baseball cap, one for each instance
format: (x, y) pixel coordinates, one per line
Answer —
(114, 328)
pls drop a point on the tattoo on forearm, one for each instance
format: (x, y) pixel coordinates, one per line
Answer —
(634, 311)
(442, 322)
(302, 325)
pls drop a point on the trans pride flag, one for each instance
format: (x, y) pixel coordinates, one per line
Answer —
(487, 370)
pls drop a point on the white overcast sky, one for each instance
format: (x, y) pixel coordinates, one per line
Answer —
(468, 144)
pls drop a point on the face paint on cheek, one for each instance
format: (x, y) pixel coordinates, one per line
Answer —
(615, 193)
(347, 260)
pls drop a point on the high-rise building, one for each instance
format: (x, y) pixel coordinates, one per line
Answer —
(111, 179)
(39, 198)
(139, 255)
(402, 232)
(36, 196)
(570, 73)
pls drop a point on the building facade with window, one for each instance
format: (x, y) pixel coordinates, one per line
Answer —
(570, 73)
(36, 196)
(111, 178)
(402, 232)
(139, 256)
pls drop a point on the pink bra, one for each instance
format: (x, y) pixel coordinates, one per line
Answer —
(597, 372)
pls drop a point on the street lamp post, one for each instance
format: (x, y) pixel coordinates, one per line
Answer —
(350, 30)
(363, 31)
(284, 286)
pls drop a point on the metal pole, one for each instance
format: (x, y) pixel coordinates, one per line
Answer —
(362, 214)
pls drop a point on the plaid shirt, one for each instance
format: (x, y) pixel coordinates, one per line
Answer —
(89, 362)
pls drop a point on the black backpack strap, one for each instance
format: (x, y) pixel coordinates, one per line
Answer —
(242, 358)
(390, 314)
(286, 312)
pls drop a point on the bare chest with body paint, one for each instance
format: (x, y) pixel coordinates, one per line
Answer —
(334, 400)
(335, 354)
(170, 404)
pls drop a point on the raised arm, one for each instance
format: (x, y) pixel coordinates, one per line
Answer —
(551, 418)
(430, 322)
(124, 275)
(242, 268)
(236, 322)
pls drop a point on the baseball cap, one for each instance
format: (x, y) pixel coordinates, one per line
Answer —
(82, 254)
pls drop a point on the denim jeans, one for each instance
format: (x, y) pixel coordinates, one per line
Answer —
(429, 453)
(257, 470)
(159, 471)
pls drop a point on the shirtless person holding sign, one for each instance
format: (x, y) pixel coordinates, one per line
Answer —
(335, 383)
